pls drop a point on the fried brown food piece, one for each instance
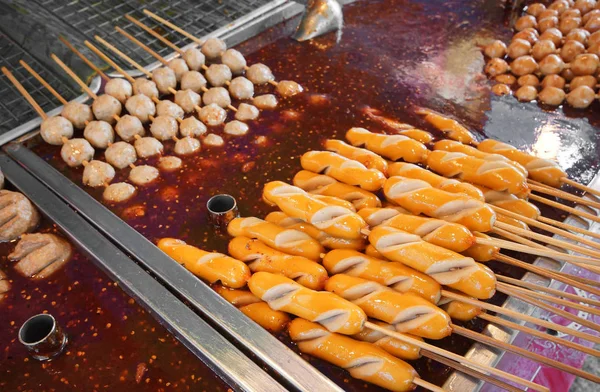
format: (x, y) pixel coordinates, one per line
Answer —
(40, 255)
(17, 215)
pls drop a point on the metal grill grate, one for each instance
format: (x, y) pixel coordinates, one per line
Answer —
(14, 110)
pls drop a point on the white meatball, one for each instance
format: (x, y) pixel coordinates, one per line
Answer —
(191, 126)
(75, 151)
(169, 108)
(78, 114)
(128, 127)
(106, 108)
(213, 140)
(187, 145)
(241, 88)
(234, 60)
(218, 74)
(187, 99)
(118, 192)
(179, 67)
(218, 96)
(145, 87)
(289, 88)
(142, 175)
(194, 59)
(212, 115)
(169, 163)
(99, 133)
(120, 155)
(119, 88)
(98, 173)
(165, 79)
(54, 129)
(267, 101)
(141, 107)
(236, 128)
(246, 112)
(164, 127)
(213, 48)
(193, 80)
(259, 74)
(147, 147)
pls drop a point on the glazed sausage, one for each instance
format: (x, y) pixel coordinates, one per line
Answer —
(209, 266)
(324, 185)
(335, 201)
(417, 134)
(459, 310)
(407, 312)
(364, 361)
(511, 221)
(400, 128)
(482, 253)
(454, 146)
(331, 311)
(419, 197)
(335, 221)
(435, 180)
(393, 147)
(290, 241)
(262, 258)
(510, 202)
(364, 156)
(497, 175)
(257, 310)
(452, 128)
(396, 347)
(342, 169)
(445, 266)
(392, 274)
(435, 231)
(372, 252)
(281, 219)
(543, 170)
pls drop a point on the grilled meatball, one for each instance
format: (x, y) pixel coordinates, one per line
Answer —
(120, 155)
(553, 35)
(288, 88)
(246, 112)
(548, 23)
(552, 96)
(213, 48)
(234, 60)
(118, 192)
(119, 88)
(148, 146)
(559, 6)
(495, 49)
(169, 163)
(506, 79)
(40, 255)
(99, 133)
(570, 50)
(501, 89)
(187, 145)
(145, 87)
(567, 24)
(579, 35)
(553, 81)
(585, 64)
(143, 175)
(187, 100)
(236, 128)
(141, 106)
(17, 215)
(259, 74)
(241, 88)
(581, 97)
(526, 93)
(496, 67)
(524, 22)
(98, 173)
(530, 35)
(518, 48)
(524, 65)
(551, 64)
(168, 108)
(218, 75)
(191, 126)
(165, 79)
(179, 67)
(78, 113)
(586, 80)
(128, 127)
(194, 59)
(542, 48)
(212, 115)
(164, 128)
(265, 102)
(218, 96)
(213, 140)
(535, 9)
(193, 80)
(106, 108)
(54, 129)
(75, 151)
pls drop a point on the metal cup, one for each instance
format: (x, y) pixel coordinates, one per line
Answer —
(222, 209)
(43, 337)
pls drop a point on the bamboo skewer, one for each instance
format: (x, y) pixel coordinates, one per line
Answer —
(85, 59)
(154, 34)
(76, 78)
(582, 187)
(427, 385)
(43, 82)
(25, 93)
(570, 210)
(124, 56)
(142, 45)
(174, 27)
(541, 188)
(109, 61)
(566, 226)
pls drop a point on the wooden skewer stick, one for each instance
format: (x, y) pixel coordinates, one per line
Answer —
(456, 357)
(427, 385)
(104, 57)
(124, 56)
(43, 82)
(76, 78)
(174, 27)
(522, 352)
(142, 45)
(568, 209)
(566, 226)
(519, 316)
(154, 34)
(543, 335)
(85, 59)
(541, 188)
(577, 185)
(25, 93)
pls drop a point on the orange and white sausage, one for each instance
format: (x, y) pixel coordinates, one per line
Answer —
(335, 201)
(419, 197)
(262, 258)
(212, 267)
(393, 147)
(334, 220)
(407, 312)
(510, 202)
(460, 311)
(364, 361)
(496, 175)
(364, 156)
(324, 185)
(543, 170)
(417, 134)
(331, 311)
(372, 252)
(345, 170)
(395, 275)
(396, 347)
(452, 128)
(409, 170)
(400, 127)
(285, 240)
(281, 219)
(480, 252)
(512, 221)
(445, 266)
